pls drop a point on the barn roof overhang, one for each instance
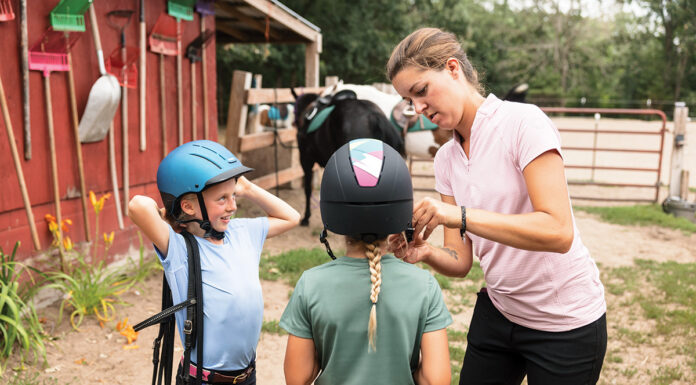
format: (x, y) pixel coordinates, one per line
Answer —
(262, 21)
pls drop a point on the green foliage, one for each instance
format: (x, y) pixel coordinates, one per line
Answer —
(88, 289)
(640, 215)
(18, 320)
(25, 378)
(272, 327)
(290, 265)
(145, 266)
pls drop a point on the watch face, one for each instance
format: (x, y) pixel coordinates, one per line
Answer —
(367, 157)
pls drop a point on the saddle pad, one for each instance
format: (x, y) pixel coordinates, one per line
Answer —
(319, 119)
(427, 125)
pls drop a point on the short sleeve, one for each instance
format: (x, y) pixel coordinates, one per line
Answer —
(536, 135)
(442, 165)
(176, 252)
(295, 319)
(438, 316)
(257, 229)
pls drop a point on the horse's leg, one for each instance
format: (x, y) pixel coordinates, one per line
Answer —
(307, 168)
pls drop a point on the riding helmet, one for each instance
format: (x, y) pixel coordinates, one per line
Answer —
(366, 191)
(192, 167)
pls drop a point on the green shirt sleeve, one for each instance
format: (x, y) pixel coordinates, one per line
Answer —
(438, 316)
(295, 319)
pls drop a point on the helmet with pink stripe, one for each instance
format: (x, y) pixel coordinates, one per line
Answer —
(366, 191)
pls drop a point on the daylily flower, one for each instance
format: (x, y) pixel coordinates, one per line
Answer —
(127, 331)
(108, 239)
(98, 204)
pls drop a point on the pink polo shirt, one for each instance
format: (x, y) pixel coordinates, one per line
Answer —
(539, 290)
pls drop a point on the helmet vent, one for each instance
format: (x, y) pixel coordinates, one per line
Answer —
(367, 158)
(208, 159)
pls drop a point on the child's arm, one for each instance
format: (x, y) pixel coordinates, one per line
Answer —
(143, 211)
(434, 368)
(301, 362)
(281, 216)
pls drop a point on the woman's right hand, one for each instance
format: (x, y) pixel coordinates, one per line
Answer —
(411, 252)
(430, 213)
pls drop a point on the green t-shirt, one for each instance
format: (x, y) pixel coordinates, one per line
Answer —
(331, 305)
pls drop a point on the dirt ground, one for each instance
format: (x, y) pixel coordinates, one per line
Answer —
(100, 355)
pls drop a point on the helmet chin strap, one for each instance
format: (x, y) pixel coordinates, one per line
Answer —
(322, 238)
(210, 232)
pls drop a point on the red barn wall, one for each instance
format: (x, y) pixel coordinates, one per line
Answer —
(142, 166)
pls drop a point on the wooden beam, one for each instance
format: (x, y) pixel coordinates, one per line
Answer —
(237, 110)
(265, 139)
(229, 30)
(246, 19)
(284, 18)
(279, 95)
(284, 176)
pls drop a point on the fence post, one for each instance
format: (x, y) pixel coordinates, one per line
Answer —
(681, 112)
(237, 111)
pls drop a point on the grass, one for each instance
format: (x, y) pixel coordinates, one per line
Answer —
(272, 327)
(640, 215)
(659, 300)
(290, 265)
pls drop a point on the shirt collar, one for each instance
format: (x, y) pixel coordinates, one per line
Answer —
(489, 105)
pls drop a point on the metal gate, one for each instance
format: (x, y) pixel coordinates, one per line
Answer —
(596, 148)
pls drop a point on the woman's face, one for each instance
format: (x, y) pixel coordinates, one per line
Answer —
(436, 94)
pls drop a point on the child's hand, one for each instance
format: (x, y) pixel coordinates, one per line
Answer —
(242, 187)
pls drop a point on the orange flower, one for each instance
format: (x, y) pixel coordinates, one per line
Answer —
(98, 204)
(67, 243)
(49, 218)
(127, 331)
(64, 225)
(108, 239)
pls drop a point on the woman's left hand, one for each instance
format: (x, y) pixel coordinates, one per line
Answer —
(429, 213)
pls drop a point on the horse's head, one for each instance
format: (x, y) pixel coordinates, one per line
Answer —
(302, 103)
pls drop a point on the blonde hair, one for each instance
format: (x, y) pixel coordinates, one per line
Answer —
(374, 258)
(429, 49)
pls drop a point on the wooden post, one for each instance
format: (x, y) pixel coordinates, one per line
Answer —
(330, 80)
(237, 110)
(681, 112)
(684, 191)
(312, 51)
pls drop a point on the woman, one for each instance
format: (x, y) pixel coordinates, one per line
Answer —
(504, 198)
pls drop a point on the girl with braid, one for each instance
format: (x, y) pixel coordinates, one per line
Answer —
(366, 317)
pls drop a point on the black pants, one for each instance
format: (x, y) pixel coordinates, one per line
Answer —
(502, 352)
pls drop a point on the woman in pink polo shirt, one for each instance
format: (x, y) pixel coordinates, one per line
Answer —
(504, 198)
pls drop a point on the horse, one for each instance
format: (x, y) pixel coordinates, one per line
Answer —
(349, 119)
(421, 140)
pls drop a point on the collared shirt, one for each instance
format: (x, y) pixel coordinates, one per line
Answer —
(232, 298)
(536, 289)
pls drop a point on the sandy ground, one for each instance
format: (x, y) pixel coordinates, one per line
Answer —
(99, 355)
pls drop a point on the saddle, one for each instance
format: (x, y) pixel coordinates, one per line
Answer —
(405, 118)
(320, 109)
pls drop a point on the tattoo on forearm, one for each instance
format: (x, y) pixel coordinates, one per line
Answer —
(450, 252)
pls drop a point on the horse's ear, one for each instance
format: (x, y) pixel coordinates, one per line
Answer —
(294, 94)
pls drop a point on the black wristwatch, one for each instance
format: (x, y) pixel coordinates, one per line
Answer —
(463, 229)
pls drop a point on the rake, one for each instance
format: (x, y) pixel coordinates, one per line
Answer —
(163, 41)
(69, 15)
(180, 9)
(6, 13)
(194, 54)
(205, 8)
(49, 54)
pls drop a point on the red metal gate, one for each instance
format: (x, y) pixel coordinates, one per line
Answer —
(595, 149)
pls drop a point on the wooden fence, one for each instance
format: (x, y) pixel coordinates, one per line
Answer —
(239, 142)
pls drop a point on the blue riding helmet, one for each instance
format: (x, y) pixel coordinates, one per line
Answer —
(193, 167)
(366, 191)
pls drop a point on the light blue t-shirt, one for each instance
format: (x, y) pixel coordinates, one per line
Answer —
(232, 299)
